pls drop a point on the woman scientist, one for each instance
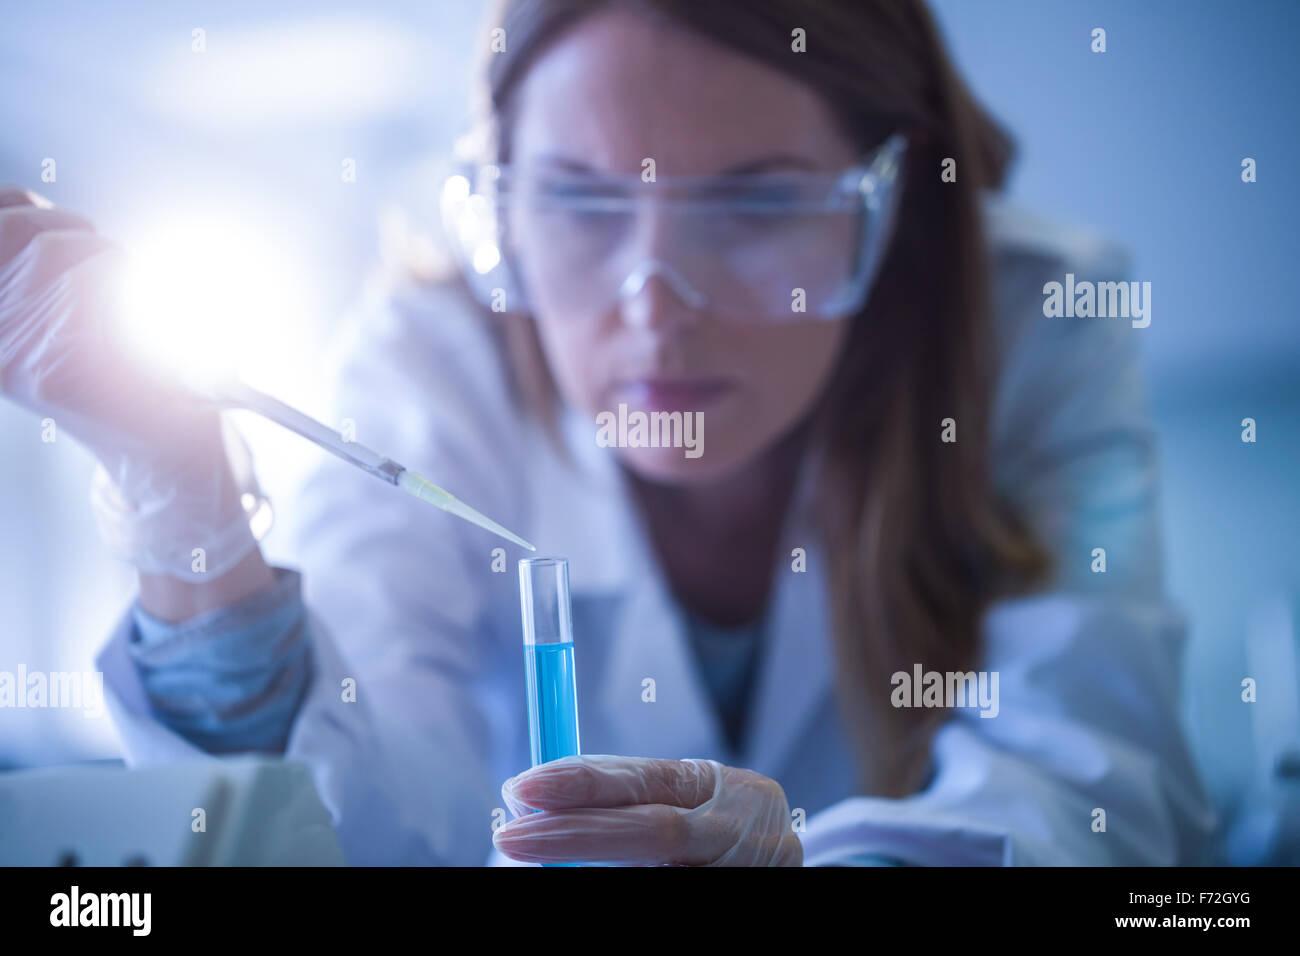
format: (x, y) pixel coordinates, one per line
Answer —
(769, 218)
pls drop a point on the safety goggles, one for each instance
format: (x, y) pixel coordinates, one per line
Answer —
(747, 247)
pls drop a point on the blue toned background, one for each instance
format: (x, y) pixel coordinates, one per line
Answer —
(1142, 143)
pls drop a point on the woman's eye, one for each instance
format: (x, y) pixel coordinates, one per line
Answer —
(577, 194)
(578, 209)
(770, 196)
(757, 194)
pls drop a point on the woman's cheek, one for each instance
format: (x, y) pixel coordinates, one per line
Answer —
(573, 365)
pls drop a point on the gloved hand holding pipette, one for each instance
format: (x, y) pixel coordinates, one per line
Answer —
(166, 484)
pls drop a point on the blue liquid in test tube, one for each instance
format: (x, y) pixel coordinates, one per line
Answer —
(552, 701)
(548, 659)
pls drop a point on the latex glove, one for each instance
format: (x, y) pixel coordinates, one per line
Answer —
(647, 812)
(165, 486)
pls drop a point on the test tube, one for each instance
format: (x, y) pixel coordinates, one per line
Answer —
(548, 658)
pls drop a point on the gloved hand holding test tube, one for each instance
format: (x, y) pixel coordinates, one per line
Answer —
(552, 686)
(235, 394)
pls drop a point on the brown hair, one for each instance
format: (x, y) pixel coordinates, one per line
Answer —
(917, 541)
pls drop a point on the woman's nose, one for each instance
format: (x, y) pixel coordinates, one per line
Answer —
(655, 293)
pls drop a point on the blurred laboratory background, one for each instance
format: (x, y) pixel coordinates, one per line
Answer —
(238, 150)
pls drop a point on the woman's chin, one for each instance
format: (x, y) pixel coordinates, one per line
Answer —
(672, 466)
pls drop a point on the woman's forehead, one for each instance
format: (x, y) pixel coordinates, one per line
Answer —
(619, 87)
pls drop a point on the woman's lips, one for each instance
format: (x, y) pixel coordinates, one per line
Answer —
(672, 395)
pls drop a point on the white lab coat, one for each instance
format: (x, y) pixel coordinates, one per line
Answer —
(405, 600)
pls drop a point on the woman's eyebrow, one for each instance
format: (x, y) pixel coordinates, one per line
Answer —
(779, 161)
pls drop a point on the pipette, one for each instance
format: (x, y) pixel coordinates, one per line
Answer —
(238, 395)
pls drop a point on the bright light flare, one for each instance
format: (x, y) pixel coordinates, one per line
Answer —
(206, 297)
(474, 224)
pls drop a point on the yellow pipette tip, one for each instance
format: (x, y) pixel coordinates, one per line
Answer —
(426, 490)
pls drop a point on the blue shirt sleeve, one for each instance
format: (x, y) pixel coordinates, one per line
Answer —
(230, 680)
